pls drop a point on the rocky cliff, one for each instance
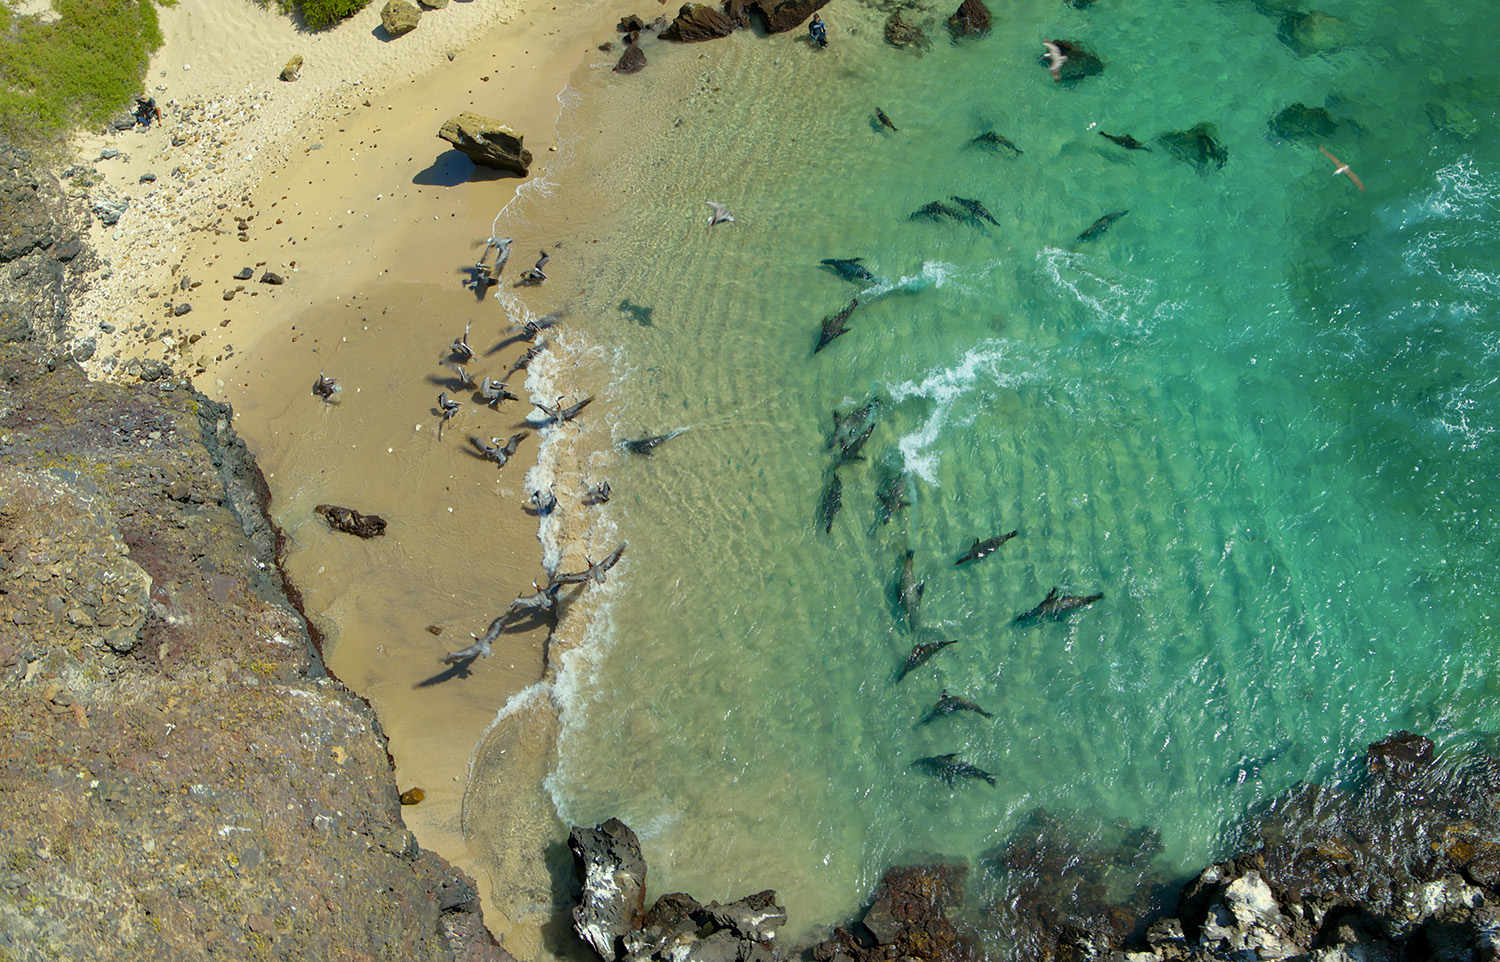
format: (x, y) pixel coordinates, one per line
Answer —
(181, 777)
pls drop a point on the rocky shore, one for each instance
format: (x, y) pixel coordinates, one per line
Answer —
(182, 779)
(1405, 866)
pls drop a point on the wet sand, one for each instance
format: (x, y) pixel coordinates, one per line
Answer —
(345, 190)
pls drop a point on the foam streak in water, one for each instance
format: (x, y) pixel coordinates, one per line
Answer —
(982, 366)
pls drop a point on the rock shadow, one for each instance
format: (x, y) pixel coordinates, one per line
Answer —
(452, 167)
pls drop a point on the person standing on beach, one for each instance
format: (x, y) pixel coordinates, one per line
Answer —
(818, 31)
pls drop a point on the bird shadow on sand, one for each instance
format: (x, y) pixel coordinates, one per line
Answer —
(459, 669)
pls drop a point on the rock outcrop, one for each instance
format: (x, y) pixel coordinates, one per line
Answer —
(610, 915)
(1198, 145)
(787, 14)
(181, 777)
(1312, 32)
(909, 919)
(487, 142)
(633, 59)
(1301, 122)
(613, 875)
(971, 19)
(696, 22)
(293, 68)
(399, 17)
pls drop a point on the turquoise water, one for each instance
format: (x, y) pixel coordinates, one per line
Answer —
(1257, 413)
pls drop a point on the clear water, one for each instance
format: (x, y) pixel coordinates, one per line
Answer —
(1258, 413)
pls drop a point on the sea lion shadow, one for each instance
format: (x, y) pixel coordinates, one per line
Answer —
(639, 313)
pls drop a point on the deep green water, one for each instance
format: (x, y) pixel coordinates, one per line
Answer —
(1258, 414)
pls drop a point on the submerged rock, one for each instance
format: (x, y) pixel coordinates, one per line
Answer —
(1312, 32)
(1301, 122)
(1198, 145)
(1081, 63)
(487, 142)
(900, 34)
(971, 19)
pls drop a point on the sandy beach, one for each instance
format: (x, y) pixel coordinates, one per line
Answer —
(338, 183)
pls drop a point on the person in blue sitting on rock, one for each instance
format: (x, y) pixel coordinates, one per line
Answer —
(818, 31)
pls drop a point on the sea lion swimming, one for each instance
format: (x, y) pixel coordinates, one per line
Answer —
(982, 548)
(892, 496)
(1124, 140)
(920, 655)
(850, 450)
(834, 327)
(949, 769)
(948, 704)
(850, 269)
(847, 426)
(1101, 225)
(989, 140)
(935, 211)
(975, 208)
(648, 445)
(830, 503)
(1056, 607)
(910, 592)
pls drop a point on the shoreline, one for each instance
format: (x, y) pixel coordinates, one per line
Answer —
(261, 348)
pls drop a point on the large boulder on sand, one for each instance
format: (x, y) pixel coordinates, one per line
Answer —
(633, 60)
(399, 17)
(971, 19)
(613, 876)
(698, 21)
(787, 14)
(487, 142)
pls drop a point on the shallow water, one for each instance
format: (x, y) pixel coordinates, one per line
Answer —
(1257, 413)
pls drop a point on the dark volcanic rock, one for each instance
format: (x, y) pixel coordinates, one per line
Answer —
(613, 875)
(738, 12)
(696, 22)
(971, 19)
(1301, 122)
(1400, 756)
(487, 142)
(633, 60)
(352, 522)
(631, 24)
(787, 14)
(272, 278)
(908, 919)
